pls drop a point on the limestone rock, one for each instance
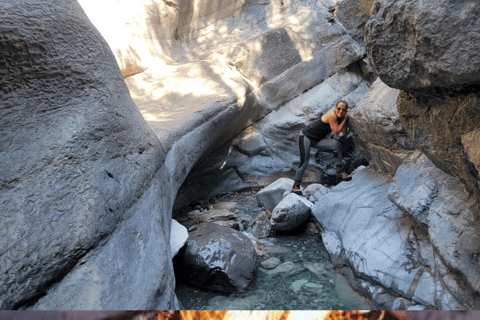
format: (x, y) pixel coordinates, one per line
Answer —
(315, 191)
(178, 237)
(260, 251)
(289, 268)
(271, 195)
(261, 227)
(218, 258)
(381, 136)
(415, 44)
(228, 224)
(216, 215)
(291, 212)
(311, 229)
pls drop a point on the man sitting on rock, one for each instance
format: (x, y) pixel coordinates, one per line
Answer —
(316, 135)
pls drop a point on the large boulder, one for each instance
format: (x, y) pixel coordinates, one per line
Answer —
(381, 136)
(271, 195)
(82, 186)
(291, 212)
(418, 44)
(218, 258)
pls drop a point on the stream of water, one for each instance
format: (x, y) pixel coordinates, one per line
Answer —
(305, 280)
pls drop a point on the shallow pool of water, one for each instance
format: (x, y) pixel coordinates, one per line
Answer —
(304, 280)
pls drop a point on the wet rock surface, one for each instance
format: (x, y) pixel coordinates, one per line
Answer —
(218, 258)
(419, 234)
(365, 232)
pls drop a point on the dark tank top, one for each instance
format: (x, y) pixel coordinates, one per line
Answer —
(317, 130)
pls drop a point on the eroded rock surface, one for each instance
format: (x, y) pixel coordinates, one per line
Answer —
(443, 123)
(79, 168)
(420, 44)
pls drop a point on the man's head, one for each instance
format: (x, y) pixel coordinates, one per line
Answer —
(341, 108)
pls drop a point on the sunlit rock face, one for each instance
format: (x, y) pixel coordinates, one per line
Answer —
(420, 44)
(381, 136)
(81, 181)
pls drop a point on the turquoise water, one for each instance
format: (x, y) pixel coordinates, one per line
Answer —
(304, 280)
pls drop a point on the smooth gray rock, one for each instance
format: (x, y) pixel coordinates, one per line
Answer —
(271, 195)
(108, 275)
(424, 263)
(250, 142)
(270, 263)
(453, 233)
(218, 258)
(291, 212)
(261, 227)
(381, 136)
(413, 191)
(418, 44)
(365, 232)
(77, 162)
(178, 237)
(315, 191)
